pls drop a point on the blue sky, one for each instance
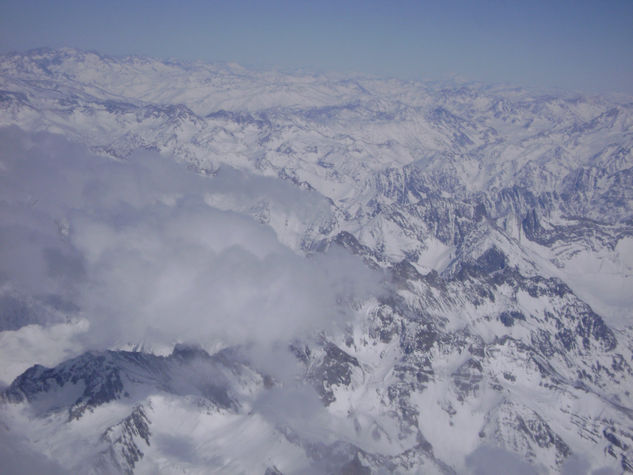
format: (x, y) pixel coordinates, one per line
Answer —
(578, 45)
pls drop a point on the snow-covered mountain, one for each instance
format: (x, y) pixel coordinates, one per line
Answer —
(332, 275)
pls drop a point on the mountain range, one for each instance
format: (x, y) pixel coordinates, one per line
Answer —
(214, 269)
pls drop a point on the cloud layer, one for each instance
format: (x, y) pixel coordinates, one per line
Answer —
(138, 249)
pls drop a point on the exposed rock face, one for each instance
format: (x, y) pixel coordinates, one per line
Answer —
(99, 378)
(125, 440)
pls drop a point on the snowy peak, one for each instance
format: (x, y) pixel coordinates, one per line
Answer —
(97, 378)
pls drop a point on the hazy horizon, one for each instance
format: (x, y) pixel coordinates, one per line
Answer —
(577, 46)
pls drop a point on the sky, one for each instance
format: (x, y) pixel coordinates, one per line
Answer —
(576, 45)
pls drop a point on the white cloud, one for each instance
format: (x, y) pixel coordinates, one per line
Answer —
(145, 258)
